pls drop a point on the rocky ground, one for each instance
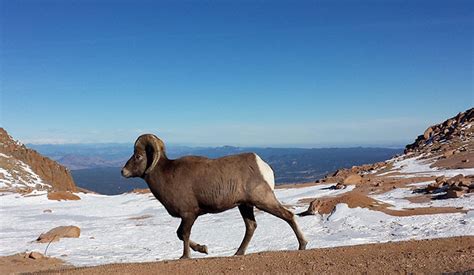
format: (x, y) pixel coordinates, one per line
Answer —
(423, 256)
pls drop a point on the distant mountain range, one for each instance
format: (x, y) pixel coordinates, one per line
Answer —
(97, 166)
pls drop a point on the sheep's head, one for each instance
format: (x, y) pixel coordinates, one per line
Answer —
(147, 152)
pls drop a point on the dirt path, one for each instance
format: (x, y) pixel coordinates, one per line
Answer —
(426, 256)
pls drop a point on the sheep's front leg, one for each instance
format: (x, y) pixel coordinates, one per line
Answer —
(184, 232)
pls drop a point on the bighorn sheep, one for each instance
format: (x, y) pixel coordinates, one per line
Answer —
(192, 186)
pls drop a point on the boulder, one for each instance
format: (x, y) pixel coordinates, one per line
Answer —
(312, 208)
(353, 179)
(34, 255)
(448, 153)
(433, 186)
(59, 232)
(450, 122)
(428, 133)
(457, 179)
(451, 194)
(340, 186)
(440, 180)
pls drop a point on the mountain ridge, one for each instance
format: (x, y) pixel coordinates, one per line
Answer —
(25, 169)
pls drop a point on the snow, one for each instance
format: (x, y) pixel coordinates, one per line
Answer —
(397, 198)
(109, 234)
(4, 156)
(20, 176)
(417, 167)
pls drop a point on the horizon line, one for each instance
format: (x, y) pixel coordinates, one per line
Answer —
(273, 146)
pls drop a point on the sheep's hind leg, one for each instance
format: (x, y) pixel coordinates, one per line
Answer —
(250, 224)
(198, 247)
(271, 205)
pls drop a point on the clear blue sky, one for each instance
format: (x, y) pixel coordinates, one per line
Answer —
(266, 73)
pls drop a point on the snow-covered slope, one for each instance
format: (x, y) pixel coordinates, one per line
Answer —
(23, 169)
(409, 166)
(17, 175)
(136, 228)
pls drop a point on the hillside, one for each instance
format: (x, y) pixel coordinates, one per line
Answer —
(406, 198)
(447, 146)
(24, 169)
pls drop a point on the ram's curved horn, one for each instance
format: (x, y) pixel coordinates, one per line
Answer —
(149, 140)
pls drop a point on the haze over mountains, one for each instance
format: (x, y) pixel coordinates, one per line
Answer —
(97, 166)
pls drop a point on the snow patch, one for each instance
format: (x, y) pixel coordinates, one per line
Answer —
(15, 174)
(417, 167)
(397, 198)
(109, 234)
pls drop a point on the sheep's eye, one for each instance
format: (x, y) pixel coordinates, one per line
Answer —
(139, 157)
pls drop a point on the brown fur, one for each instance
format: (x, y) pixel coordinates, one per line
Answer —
(192, 186)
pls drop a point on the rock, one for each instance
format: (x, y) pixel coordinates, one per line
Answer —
(465, 182)
(57, 233)
(47, 211)
(312, 208)
(459, 180)
(450, 122)
(62, 195)
(457, 187)
(448, 153)
(463, 188)
(433, 186)
(440, 180)
(451, 194)
(428, 133)
(35, 255)
(340, 186)
(455, 179)
(353, 179)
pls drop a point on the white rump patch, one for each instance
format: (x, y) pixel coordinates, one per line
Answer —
(266, 171)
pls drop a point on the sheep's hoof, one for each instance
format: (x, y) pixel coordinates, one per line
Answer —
(203, 249)
(239, 253)
(303, 245)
